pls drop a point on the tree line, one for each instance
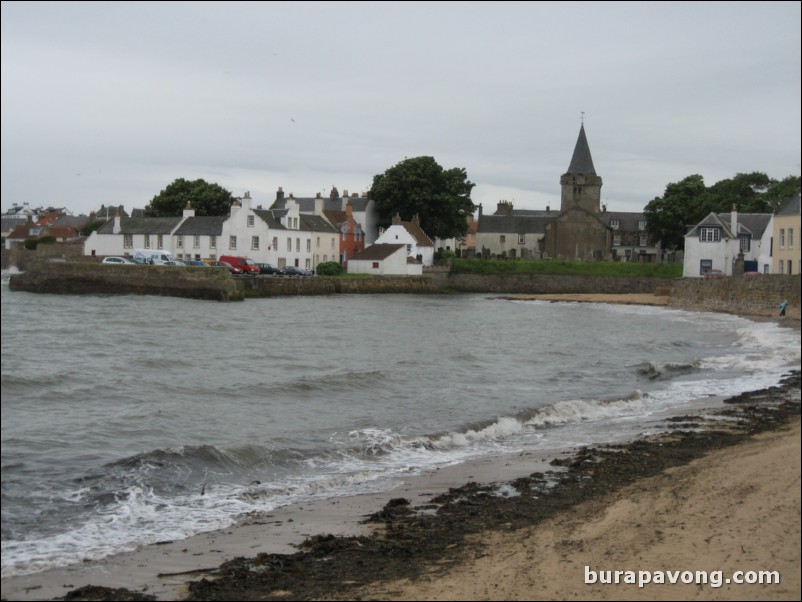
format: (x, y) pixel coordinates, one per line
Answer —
(442, 199)
(689, 201)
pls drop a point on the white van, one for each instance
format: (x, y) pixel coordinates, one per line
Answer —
(154, 256)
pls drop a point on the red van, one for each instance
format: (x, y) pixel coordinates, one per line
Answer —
(246, 264)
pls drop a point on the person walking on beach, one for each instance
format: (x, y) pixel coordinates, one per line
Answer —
(783, 307)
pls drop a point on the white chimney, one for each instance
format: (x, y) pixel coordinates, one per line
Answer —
(734, 220)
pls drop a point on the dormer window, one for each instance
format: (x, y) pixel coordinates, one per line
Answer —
(709, 235)
(615, 224)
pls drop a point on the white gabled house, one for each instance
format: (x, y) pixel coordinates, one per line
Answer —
(281, 237)
(716, 242)
(419, 246)
(122, 235)
(383, 259)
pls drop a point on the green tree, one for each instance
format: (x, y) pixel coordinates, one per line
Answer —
(780, 191)
(419, 186)
(747, 191)
(684, 202)
(204, 198)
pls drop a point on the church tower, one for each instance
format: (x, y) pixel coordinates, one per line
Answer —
(581, 187)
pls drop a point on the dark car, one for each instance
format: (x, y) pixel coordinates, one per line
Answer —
(222, 264)
(291, 270)
(269, 268)
(714, 274)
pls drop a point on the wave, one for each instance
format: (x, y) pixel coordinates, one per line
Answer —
(656, 371)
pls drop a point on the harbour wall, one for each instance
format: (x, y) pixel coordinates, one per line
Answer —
(757, 295)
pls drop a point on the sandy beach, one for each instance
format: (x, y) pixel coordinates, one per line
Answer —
(714, 503)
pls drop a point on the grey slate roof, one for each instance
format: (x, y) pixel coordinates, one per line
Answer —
(516, 224)
(791, 206)
(627, 220)
(203, 225)
(271, 217)
(142, 225)
(316, 223)
(581, 162)
(748, 223)
(379, 251)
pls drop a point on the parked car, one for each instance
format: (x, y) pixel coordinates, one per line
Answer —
(714, 274)
(269, 268)
(173, 262)
(245, 264)
(195, 263)
(223, 264)
(291, 270)
(118, 261)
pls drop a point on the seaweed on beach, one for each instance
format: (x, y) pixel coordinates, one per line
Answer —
(413, 541)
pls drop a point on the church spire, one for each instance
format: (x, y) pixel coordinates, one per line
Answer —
(581, 162)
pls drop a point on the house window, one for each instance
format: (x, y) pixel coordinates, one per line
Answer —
(501, 239)
(254, 243)
(642, 224)
(521, 239)
(745, 241)
(709, 235)
(179, 241)
(161, 241)
(128, 241)
(275, 243)
(308, 244)
(196, 242)
(614, 224)
(705, 265)
(297, 245)
(250, 221)
(289, 243)
(147, 241)
(789, 267)
(782, 238)
(790, 238)
(642, 240)
(616, 240)
(375, 265)
(232, 243)
(212, 242)
(318, 242)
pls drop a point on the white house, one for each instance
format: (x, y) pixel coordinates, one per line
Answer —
(121, 235)
(716, 241)
(384, 260)
(282, 237)
(419, 246)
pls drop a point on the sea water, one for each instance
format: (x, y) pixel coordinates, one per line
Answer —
(129, 420)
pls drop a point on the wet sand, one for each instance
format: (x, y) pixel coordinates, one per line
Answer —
(725, 501)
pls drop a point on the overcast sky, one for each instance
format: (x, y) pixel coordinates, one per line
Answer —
(109, 102)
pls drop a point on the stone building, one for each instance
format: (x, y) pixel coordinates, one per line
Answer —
(579, 230)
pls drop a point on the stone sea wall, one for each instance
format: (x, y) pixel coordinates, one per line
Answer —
(79, 278)
(756, 295)
(553, 285)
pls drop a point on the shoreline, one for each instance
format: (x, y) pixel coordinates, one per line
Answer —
(162, 571)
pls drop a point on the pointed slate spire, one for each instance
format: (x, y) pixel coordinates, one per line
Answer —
(582, 162)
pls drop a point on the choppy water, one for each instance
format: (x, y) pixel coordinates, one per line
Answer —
(118, 411)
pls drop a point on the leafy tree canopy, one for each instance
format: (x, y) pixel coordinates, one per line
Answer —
(440, 197)
(688, 201)
(204, 198)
